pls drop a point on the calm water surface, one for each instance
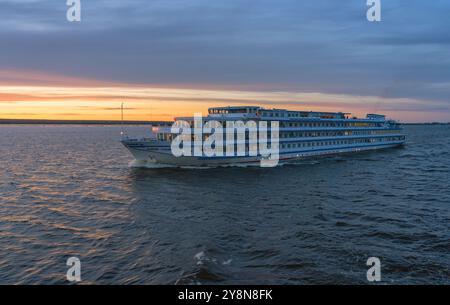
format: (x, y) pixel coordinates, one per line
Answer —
(70, 191)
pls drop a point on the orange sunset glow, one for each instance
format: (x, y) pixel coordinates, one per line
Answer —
(65, 98)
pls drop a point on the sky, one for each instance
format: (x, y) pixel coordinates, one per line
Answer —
(167, 58)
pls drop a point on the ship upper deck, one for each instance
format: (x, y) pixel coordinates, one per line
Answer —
(258, 113)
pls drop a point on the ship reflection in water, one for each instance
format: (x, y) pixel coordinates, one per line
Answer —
(69, 191)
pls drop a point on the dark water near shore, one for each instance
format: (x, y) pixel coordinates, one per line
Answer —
(69, 191)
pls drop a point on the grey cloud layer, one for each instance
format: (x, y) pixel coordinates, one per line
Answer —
(322, 45)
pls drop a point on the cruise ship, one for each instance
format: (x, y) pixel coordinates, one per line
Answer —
(301, 135)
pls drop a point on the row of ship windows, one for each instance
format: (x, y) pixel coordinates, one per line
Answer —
(283, 114)
(316, 124)
(330, 124)
(287, 135)
(342, 142)
(335, 133)
(302, 114)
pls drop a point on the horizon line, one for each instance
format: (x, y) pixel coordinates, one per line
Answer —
(134, 122)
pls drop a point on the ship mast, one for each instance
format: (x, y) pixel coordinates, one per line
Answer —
(121, 123)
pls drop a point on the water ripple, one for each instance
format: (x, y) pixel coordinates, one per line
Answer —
(74, 191)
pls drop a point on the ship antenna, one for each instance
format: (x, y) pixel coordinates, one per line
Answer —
(122, 133)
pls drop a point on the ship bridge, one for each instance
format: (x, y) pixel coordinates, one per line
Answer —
(233, 109)
(235, 112)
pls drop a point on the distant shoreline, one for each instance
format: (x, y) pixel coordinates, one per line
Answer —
(433, 123)
(106, 122)
(76, 122)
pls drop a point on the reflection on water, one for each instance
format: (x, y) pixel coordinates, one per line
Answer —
(69, 191)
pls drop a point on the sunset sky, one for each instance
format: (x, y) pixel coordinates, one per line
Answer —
(166, 58)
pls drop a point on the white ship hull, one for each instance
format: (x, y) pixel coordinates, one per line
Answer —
(159, 155)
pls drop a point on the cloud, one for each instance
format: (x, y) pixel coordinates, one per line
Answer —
(322, 46)
(142, 98)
